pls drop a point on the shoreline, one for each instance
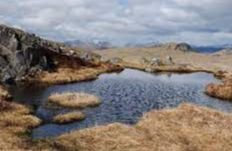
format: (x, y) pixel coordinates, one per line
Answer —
(60, 141)
(120, 129)
(219, 64)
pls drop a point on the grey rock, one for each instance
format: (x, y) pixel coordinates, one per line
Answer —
(86, 57)
(149, 70)
(155, 62)
(183, 47)
(3, 62)
(115, 60)
(21, 51)
(169, 60)
(144, 61)
(104, 59)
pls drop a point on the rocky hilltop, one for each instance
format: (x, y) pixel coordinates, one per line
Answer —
(23, 53)
(89, 45)
(226, 51)
(184, 47)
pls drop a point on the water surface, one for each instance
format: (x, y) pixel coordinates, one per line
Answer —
(125, 97)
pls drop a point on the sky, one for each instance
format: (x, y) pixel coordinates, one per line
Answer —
(204, 22)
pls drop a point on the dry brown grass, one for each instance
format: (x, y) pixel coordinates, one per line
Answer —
(69, 117)
(221, 91)
(67, 75)
(74, 100)
(71, 75)
(204, 61)
(4, 94)
(164, 68)
(187, 128)
(15, 121)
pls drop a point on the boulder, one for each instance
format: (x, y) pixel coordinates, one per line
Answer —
(169, 60)
(155, 62)
(149, 70)
(87, 57)
(144, 61)
(115, 60)
(104, 59)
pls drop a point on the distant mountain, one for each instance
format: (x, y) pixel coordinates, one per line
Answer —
(211, 48)
(207, 49)
(226, 51)
(141, 45)
(89, 45)
(169, 46)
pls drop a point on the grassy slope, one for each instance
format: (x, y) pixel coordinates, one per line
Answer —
(188, 127)
(205, 61)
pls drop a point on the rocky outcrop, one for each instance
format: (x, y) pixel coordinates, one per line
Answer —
(227, 51)
(23, 54)
(184, 47)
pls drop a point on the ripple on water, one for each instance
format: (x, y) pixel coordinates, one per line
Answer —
(125, 97)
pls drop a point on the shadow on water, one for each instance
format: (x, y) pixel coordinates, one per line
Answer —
(125, 97)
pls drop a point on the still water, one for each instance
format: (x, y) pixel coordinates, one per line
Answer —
(125, 97)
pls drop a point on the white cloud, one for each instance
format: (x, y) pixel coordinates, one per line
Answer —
(207, 21)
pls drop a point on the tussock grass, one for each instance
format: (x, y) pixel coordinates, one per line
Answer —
(69, 117)
(71, 75)
(15, 120)
(4, 94)
(27, 121)
(221, 91)
(74, 100)
(187, 127)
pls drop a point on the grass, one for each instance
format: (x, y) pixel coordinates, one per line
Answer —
(186, 128)
(221, 91)
(205, 61)
(15, 120)
(69, 117)
(74, 100)
(66, 75)
(4, 94)
(163, 68)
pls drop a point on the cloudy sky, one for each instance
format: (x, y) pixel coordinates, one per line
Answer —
(201, 22)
